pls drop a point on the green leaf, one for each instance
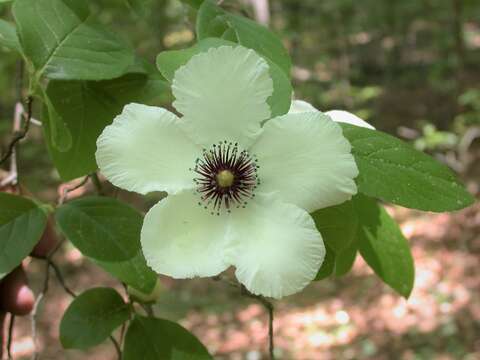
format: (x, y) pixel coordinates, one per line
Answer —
(211, 18)
(102, 228)
(22, 224)
(169, 61)
(345, 259)
(193, 3)
(138, 6)
(393, 171)
(150, 297)
(63, 42)
(231, 35)
(255, 36)
(328, 264)
(282, 91)
(133, 272)
(92, 317)
(383, 246)
(337, 224)
(56, 130)
(211, 21)
(153, 339)
(8, 36)
(86, 107)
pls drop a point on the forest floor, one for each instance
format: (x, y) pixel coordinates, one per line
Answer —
(353, 317)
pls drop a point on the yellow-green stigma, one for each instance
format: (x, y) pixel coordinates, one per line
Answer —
(225, 178)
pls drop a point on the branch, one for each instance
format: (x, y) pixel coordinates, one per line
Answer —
(10, 336)
(122, 333)
(266, 304)
(148, 309)
(97, 183)
(261, 11)
(117, 347)
(66, 191)
(61, 280)
(43, 293)
(58, 274)
(12, 177)
(36, 306)
(19, 135)
(36, 122)
(269, 307)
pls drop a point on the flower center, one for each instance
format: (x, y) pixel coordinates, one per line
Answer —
(225, 177)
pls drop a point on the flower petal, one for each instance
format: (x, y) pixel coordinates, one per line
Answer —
(144, 150)
(223, 94)
(300, 106)
(182, 239)
(307, 160)
(275, 247)
(349, 118)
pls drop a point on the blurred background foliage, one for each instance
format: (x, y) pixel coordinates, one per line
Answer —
(409, 67)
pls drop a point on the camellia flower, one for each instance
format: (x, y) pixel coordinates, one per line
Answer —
(240, 188)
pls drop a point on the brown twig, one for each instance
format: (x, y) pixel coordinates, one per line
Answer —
(269, 307)
(41, 296)
(66, 191)
(117, 347)
(122, 332)
(12, 177)
(148, 310)
(50, 264)
(10, 336)
(96, 182)
(61, 280)
(19, 135)
(36, 306)
(266, 304)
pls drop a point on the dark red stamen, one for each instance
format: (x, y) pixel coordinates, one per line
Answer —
(225, 156)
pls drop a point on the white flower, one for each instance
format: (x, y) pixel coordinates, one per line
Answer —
(239, 193)
(300, 106)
